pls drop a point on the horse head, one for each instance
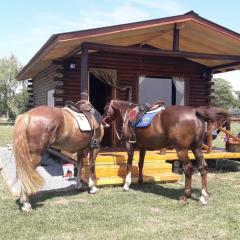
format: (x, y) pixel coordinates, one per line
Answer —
(110, 113)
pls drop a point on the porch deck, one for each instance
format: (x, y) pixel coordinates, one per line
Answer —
(111, 166)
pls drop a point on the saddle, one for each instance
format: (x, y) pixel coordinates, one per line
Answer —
(136, 114)
(86, 108)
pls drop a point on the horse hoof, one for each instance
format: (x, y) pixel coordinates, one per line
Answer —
(125, 188)
(26, 207)
(183, 201)
(93, 190)
(202, 201)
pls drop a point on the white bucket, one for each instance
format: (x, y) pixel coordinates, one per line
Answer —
(68, 170)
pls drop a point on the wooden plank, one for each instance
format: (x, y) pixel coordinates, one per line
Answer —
(176, 33)
(84, 74)
(150, 52)
(167, 177)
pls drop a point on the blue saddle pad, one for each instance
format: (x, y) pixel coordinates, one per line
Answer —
(146, 120)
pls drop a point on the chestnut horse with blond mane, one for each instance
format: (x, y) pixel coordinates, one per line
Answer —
(43, 127)
(181, 127)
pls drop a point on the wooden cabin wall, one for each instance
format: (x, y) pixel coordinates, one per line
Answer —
(44, 81)
(130, 67)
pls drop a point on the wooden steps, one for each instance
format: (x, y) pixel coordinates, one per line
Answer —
(111, 169)
(163, 177)
(111, 166)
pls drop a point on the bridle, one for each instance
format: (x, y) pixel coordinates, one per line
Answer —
(108, 116)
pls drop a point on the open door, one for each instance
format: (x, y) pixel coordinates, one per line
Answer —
(99, 94)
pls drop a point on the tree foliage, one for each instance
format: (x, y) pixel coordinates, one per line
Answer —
(13, 94)
(223, 94)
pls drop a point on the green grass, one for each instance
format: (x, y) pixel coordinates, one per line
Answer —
(6, 133)
(153, 213)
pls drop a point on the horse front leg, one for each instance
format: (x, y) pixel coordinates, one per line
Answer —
(142, 153)
(202, 166)
(91, 184)
(130, 151)
(79, 184)
(188, 171)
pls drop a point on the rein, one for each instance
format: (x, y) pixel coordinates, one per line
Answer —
(124, 120)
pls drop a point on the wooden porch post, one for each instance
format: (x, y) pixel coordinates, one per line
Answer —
(209, 137)
(176, 32)
(84, 73)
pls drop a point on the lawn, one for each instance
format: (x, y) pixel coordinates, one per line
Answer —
(152, 213)
(6, 133)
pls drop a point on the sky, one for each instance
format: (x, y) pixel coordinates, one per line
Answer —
(26, 25)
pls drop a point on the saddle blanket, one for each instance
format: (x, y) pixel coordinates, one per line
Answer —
(147, 118)
(81, 120)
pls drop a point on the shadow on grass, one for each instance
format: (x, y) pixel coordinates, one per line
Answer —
(37, 200)
(168, 192)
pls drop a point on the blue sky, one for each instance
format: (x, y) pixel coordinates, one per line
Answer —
(27, 24)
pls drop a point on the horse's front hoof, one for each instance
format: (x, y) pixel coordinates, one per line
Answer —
(93, 190)
(183, 201)
(26, 207)
(125, 188)
(202, 201)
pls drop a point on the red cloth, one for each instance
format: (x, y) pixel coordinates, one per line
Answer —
(133, 114)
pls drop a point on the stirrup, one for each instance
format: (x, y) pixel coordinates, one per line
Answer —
(94, 143)
(132, 139)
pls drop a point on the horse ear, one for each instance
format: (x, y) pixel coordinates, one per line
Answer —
(108, 100)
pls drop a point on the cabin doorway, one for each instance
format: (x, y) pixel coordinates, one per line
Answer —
(99, 94)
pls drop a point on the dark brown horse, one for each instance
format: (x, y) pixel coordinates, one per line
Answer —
(42, 127)
(181, 127)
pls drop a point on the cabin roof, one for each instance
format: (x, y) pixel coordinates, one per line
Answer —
(197, 35)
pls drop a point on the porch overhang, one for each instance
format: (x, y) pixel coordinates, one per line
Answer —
(185, 36)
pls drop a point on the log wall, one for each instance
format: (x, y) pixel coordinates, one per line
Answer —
(130, 67)
(44, 81)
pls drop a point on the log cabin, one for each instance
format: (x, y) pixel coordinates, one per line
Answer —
(171, 59)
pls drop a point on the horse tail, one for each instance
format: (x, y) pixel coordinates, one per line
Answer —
(29, 179)
(213, 114)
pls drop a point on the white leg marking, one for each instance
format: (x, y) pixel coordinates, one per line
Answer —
(26, 207)
(127, 182)
(204, 198)
(92, 188)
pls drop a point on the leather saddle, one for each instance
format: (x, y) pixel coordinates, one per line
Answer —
(90, 113)
(86, 108)
(138, 112)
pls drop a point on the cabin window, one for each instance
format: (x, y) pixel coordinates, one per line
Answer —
(169, 90)
(50, 98)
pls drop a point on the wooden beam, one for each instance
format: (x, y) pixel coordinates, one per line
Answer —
(226, 65)
(158, 52)
(84, 73)
(229, 134)
(176, 33)
(209, 137)
(61, 156)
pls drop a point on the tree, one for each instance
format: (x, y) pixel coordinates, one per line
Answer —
(13, 94)
(223, 94)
